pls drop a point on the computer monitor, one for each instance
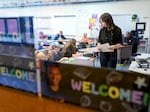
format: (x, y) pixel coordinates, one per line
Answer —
(140, 27)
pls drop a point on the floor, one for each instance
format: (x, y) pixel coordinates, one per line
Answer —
(13, 100)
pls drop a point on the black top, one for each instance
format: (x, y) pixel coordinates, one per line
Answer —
(112, 37)
(47, 91)
(69, 51)
(132, 41)
(56, 56)
(62, 37)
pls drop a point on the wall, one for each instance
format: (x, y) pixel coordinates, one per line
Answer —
(84, 11)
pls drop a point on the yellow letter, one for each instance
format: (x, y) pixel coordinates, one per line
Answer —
(86, 87)
(18, 74)
(113, 92)
(3, 70)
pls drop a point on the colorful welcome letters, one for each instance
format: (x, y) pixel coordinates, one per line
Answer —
(103, 89)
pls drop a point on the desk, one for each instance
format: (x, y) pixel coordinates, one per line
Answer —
(87, 61)
(134, 67)
(82, 60)
(79, 60)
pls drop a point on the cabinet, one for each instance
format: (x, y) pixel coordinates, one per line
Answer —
(148, 45)
(142, 46)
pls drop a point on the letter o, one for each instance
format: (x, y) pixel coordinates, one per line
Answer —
(113, 92)
(18, 74)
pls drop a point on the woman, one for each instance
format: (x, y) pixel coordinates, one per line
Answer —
(111, 34)
(69, 48)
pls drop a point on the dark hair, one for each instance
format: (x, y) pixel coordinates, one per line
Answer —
(48, 65)
(106, 17)
(71, 43)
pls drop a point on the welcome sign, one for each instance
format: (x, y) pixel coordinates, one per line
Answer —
(103, 89)
(17, 67)
(18, 73)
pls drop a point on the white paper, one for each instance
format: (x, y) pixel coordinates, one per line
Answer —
(105, 47)
(143, 56)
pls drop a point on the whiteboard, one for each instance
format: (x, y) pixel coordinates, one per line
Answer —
(124, 21)
(42, 22)
(65, 23)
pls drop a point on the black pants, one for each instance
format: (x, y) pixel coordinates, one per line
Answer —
(108, 60)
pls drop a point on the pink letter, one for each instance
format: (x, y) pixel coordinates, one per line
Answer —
(137, 97)
(76, 85)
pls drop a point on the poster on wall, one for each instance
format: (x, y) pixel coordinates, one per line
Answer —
(9, 31)
(94, 26)
(98, 88)
(12, 30)
(12, 25)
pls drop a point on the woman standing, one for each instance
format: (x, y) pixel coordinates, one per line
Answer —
(111, 34)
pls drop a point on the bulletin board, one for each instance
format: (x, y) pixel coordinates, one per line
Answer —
(2, 24)
(12, 25)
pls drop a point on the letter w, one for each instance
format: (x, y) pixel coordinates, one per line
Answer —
(76, 85)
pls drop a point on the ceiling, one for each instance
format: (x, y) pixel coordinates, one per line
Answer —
(25, 3)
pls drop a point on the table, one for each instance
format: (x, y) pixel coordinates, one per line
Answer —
(134, 68)
(79, 60)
